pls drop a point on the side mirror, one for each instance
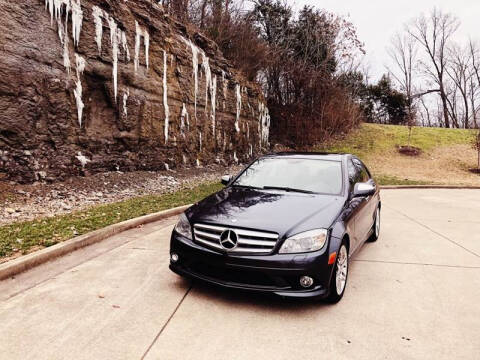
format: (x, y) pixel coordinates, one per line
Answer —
(363, 189)
(226, 179)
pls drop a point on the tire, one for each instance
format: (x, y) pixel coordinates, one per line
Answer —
(338, 283)
(375, 227)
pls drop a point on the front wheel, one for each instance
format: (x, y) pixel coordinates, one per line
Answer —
(376, 227)
(339, 282)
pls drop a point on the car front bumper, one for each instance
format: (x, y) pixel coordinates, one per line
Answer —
(278, 274)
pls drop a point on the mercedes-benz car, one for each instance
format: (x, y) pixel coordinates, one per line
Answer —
(288, 224)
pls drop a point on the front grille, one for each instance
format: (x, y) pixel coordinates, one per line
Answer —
(233, 276)
(248, 241)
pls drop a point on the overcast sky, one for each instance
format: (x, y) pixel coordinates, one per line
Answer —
(378, 20)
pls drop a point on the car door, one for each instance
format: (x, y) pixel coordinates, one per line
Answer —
(357, 207)
(372, 200)
(364, 220)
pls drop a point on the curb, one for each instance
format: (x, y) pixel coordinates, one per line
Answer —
(392, 187)
(29, 261)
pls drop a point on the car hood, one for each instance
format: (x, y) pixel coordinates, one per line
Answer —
(282, 212)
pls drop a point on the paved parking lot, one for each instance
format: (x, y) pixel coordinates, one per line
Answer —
(412, 295)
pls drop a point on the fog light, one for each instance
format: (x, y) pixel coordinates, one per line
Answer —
(174, 258)
(306, 281)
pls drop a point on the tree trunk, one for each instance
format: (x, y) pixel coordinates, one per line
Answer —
(443, 96)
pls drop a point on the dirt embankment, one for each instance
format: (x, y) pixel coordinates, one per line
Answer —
(26, 202)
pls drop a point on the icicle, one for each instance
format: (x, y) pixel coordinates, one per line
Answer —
(97, 19)
(184, 159)
(195, 50)
(224, 88)
(200, 140)
(165, 95)
(137, 45)
(198, 163)
(82, 159)
(126, 94)
(187, 116)
(146, 39)
(208, 77)
(183, 117)
(114, 42)
(251, 150)
(125, 44)
(235, 157)
(77, 19)
(139, 33)
(213, 97)
(80, 67)
(55, 9)
(62, 31)
(239, 107)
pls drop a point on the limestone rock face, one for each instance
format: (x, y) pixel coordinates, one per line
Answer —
(89, 86)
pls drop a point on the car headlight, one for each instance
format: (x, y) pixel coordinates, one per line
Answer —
(183, 227)
(307, 241)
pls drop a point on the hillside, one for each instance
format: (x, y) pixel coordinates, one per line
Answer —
(446, 155)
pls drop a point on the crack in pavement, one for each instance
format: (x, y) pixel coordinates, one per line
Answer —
(414, 263)
(167, 322)
(433, 231)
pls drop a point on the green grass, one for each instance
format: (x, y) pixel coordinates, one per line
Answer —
(23, 236)
(440, 161)
(377, 139)
(393, 180)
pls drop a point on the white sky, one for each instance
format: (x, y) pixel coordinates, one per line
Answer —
(378, 20)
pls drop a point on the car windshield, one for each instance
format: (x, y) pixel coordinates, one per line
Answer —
(294, 174)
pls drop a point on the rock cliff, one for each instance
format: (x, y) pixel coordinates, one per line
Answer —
(88, 86)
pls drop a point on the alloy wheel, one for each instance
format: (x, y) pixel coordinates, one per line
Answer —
(342, 270)
(377, 223)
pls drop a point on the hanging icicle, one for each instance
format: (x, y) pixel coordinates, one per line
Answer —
(195, 51)
(139, 33)
(238, 94)
(97, 19)
(165, 95)
(80, 67)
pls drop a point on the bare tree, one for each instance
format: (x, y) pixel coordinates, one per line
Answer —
(425, 114)
(403, 52)
(475, 83)
(433, 33)
(460, 70)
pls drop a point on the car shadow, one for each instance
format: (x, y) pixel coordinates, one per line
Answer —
(262, 301)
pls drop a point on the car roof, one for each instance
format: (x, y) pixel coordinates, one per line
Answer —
(313, 155)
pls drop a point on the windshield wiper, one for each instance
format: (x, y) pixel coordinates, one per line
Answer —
(247, 186)
(287, 189)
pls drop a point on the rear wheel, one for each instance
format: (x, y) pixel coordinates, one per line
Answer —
(339, 281)
(376, 227)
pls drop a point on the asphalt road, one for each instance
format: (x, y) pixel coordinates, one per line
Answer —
(414, 294)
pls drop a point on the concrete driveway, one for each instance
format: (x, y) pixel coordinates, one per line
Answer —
(415, 294)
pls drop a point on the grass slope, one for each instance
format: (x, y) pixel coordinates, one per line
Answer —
(23, 237)
(446, 156)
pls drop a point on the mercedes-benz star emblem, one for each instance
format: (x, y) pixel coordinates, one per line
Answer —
(229, 239)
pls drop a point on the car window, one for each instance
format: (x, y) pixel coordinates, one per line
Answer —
(315, 175)
(354, 174)
(364, 174)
